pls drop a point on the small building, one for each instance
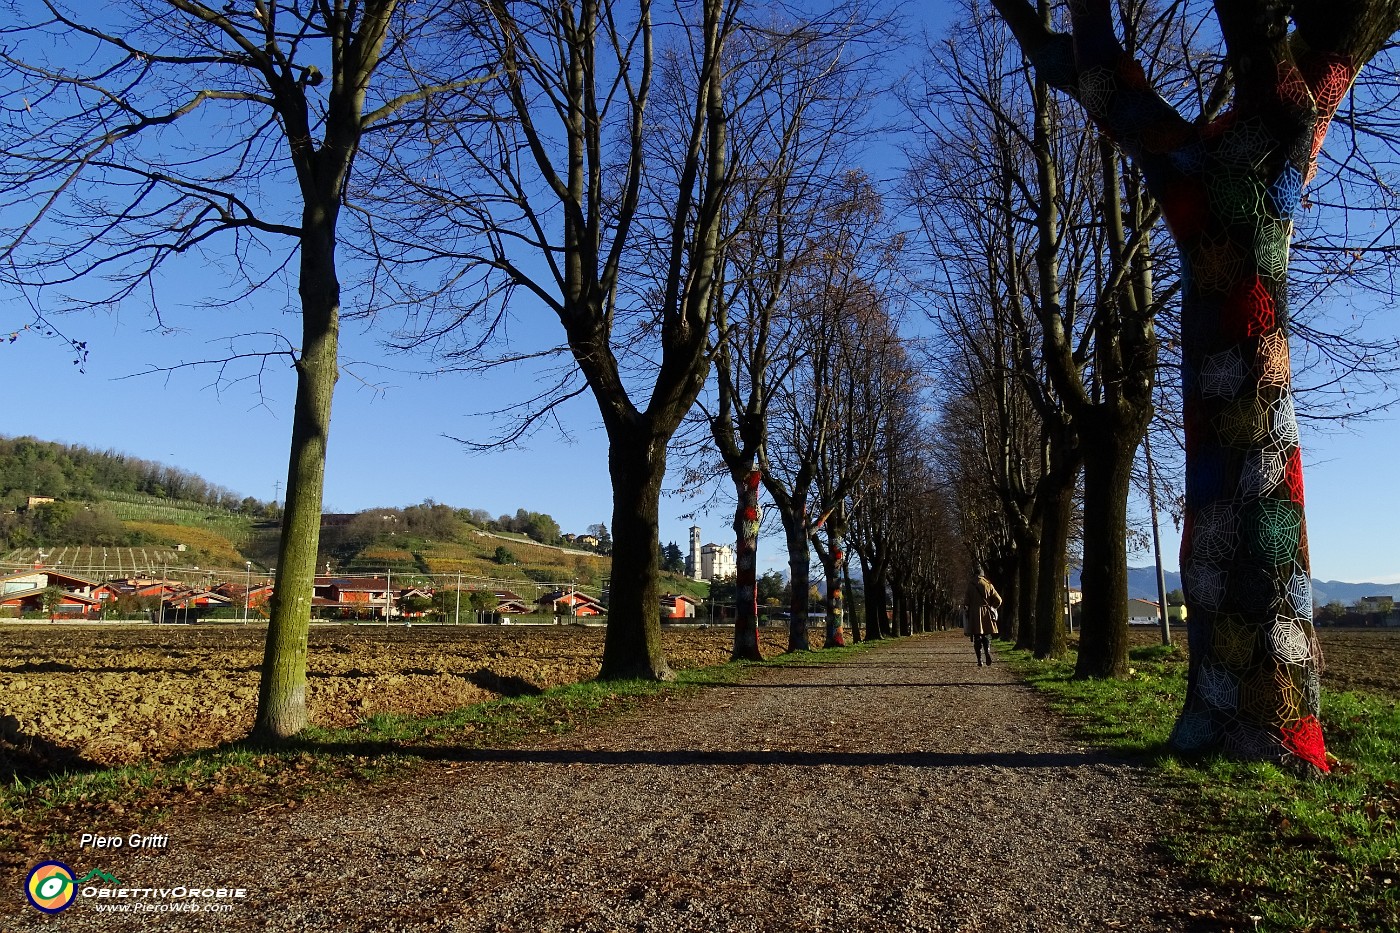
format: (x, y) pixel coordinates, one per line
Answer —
(240, 594)
(677, 606)
(32, 600)
(26, 592)
(1143, 612)
(196, 598)
(355, 597)
(569, 603)
(513, 607)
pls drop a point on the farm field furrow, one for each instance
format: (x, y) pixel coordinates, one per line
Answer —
(114, 694)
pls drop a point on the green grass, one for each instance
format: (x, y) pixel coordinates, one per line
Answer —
(1301, 854)
(45, 813)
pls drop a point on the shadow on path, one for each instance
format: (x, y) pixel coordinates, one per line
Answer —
(910, 685)
(731, 758)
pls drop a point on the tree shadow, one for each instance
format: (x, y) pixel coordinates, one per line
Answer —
(911, 685)
(31, 757)
(715, 758)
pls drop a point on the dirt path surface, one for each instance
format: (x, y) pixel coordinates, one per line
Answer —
(906, 790)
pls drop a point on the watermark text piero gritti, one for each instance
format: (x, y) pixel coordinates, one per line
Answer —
(133, 841)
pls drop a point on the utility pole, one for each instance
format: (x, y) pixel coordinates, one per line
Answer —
(1157, 543)
(457, 617)
(247, 588)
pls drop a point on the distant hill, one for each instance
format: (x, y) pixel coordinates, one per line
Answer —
(31, 467)
(103, 513)
(1142, 584)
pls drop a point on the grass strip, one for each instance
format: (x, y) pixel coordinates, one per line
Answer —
(1299, 854)
(41, 814)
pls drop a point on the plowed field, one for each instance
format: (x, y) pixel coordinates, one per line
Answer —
(116, 694)
(113, 694)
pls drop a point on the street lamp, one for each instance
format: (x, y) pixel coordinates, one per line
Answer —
(247, 588)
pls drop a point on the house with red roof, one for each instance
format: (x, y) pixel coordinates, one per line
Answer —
(569, 603)
(677, 606)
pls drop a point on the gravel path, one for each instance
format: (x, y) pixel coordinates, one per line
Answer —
(907, 790)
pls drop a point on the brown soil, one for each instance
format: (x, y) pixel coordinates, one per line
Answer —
(114, 694)
(1361, 659)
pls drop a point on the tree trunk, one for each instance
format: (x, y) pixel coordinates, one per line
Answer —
(1006, 576)
(898, 607)
(875, 603)
(1056, 492)
(746, 521)
(1109, 448)
(848, 601)
(1049, 641)
(1028, 573)
(1253, 688)
(282, 708)
(835, 601)
(800, 576)
(632, 646)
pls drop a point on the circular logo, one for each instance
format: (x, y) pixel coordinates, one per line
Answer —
(50, 887)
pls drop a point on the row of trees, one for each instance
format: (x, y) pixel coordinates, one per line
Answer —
(682, 194)
(1060, 145)
(583, 155)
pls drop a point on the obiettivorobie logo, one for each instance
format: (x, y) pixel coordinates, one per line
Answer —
(51, 886)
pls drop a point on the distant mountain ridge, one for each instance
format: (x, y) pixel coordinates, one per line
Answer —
(1142, 584)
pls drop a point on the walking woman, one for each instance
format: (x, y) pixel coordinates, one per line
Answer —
(983, 600)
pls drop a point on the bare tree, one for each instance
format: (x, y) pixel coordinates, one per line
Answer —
(188, 129)
(594, 195)
(1229, 188)
(875, 509)
(791, 132)
(967, 184)
(849, 361)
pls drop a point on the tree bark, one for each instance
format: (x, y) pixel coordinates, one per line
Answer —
(833, 559)
(898, 607)
(873, 576)
(1049, 635)
(1006, 576)
(282, 710)
(632, 645)
(835, 605)
(746, 519)
(800, 577)
(1108, 467)
(1028, 572)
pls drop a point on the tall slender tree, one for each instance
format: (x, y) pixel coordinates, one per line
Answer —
(136, 137)
(844, 305)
